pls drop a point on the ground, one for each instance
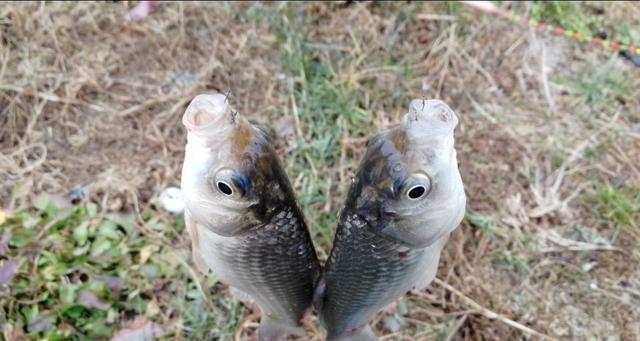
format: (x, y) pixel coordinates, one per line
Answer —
(90, 134)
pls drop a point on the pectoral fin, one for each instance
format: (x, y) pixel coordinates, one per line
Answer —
(429, 264)
(192, 228)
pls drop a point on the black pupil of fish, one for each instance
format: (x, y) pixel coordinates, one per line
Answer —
(224, 188)
(416, 192)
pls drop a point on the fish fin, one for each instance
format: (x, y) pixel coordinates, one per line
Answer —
(273, 330)
(192, 229)
(318, 294)
(364, 334)
(430, 263)
(241, 295)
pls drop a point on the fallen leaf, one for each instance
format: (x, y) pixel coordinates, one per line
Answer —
(146, 252)
(88, 299)
(114, 283)
(7, 270)
(145, 332)
(12, 333)
(152, 308)
(44, 321)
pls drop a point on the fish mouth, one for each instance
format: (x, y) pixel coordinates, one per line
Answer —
(431, 116)
(206, 111)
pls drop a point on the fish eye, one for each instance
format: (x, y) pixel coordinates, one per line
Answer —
(224, 188)
(417, 186)
(416, 192)
(231, 183)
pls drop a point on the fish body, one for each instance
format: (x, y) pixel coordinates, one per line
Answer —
(406, 198)
(242, 216)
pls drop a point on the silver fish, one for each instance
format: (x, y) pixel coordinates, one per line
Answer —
(242, 216)
(406, 199)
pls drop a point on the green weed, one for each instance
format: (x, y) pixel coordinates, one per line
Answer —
(567, 14)
(600, 87)
(80, 273)
(484, 222)
(327, 108)
(616, 208)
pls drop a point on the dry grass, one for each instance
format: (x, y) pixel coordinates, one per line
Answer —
(548, 144)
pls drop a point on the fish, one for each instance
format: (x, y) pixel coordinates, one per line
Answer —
(405, 200)
(243, 218)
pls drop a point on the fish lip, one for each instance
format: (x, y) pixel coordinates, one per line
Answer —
(210, 107)
(430, 118)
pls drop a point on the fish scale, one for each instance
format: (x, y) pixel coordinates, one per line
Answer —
(276, 275)
(242, 216)
(405, 200)
(362, 267)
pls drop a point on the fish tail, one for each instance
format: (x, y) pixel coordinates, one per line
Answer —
(272, 330)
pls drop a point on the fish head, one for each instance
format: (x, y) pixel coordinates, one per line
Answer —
(230, 177)
(408, 186)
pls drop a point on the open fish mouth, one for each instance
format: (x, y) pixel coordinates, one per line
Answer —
(206, 111)
(429, 118)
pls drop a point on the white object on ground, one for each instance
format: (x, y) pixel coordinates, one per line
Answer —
(586, 267)
(171, 200)
(142, 9)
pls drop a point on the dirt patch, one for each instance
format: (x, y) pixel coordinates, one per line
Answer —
(92, 100)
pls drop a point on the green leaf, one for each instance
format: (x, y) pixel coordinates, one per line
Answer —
(74, 312)
(30, 312)
(194, 294)
(109, 229)
(124, 220)
(112, 316)
(41, 202)
(92, 209)
(58, 268)
(21, 238)
(81, 250)
(15, 191)
(100, 246)
(68, 293)
(81, 233)
(30, 221)
(151, 270)
(98, 330)
(53, 335)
